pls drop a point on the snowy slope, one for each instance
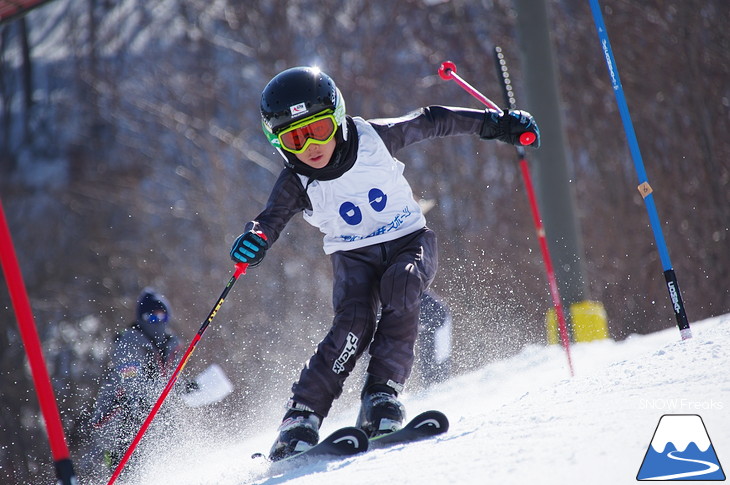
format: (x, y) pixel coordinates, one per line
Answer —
(522, 420)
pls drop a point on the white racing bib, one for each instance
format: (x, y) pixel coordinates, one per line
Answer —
(369, 204)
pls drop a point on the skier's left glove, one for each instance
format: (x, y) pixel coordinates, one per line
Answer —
(250, 248)
(509, 126)
(190, 386)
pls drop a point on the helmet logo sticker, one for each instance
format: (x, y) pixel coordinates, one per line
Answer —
(298, 109)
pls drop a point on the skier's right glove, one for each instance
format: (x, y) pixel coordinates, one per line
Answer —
(250, 248)
(509, 126)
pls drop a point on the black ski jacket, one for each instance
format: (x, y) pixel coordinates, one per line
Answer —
(289, 196)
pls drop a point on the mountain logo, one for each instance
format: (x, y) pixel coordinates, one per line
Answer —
(681, 450)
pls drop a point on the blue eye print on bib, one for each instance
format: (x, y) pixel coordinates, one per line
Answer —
(377, 199)
(352, 214)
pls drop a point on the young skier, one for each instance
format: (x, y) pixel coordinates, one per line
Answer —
(341, 173)
(141, 358)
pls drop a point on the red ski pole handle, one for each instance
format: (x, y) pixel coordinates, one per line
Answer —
(242, 267)
(447, 71)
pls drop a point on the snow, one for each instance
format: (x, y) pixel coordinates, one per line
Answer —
(522, 420)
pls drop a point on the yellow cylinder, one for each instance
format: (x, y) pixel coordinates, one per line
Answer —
(587, 321)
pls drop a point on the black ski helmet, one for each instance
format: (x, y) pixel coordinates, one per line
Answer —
(297, 93)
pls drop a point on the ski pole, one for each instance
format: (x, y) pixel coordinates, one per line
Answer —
(503, 73)
(645, 189)
(448, 71)
(240, 269)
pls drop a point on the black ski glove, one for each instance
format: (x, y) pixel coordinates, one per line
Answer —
(509, 126)
(250, 248)
(190, 386)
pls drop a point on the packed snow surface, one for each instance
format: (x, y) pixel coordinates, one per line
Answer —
(522, 420)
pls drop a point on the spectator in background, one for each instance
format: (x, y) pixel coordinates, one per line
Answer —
(142, 359)
(434, 344)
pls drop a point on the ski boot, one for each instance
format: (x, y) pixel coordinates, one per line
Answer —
(380, 410)
(298, 432)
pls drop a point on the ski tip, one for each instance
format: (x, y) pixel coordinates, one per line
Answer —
(352, 437)
(432, 419)
(426, 425)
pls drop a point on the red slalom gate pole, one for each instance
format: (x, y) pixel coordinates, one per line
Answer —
(447, 71)
(240, 269)
(552, 281)
(503, 73)
(29, 334)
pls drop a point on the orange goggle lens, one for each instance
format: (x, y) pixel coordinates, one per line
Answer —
(297, 138)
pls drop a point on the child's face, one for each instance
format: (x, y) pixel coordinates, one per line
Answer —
(318, 156)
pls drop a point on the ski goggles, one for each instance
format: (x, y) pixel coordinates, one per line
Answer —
(157, 316)
(318, 129)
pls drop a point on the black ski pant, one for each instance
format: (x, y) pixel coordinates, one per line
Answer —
(391, 275)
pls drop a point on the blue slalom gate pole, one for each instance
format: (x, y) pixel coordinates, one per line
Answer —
(644, 187)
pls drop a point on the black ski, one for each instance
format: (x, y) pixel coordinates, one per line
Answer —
(350, 441)
(425, 425)
(342, 443)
